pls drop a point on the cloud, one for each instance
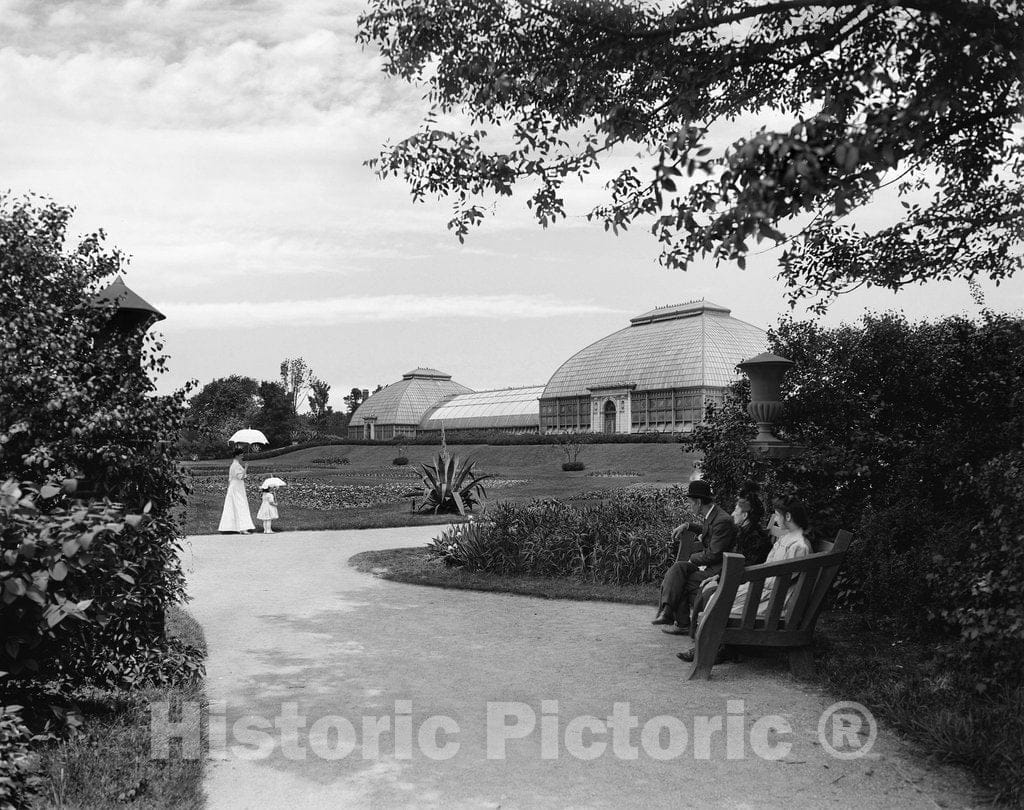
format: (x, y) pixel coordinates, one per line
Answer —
(201, 65)
(366, 309)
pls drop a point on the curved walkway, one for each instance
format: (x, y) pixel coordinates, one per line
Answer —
(394, 695)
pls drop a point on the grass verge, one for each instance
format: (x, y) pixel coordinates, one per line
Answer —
(899, 681)
(108, 764)
(414, 566)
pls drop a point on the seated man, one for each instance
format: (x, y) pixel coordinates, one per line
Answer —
(682, 581)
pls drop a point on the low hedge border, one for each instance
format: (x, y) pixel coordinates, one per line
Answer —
(493, 439)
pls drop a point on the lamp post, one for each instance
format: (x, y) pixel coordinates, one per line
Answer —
(765, 373)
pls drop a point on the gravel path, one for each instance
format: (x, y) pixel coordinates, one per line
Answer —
(393, 695)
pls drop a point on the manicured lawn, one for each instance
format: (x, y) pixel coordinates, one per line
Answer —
(523, 472)
(108, 764)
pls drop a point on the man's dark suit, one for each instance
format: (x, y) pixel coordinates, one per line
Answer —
(682, 581)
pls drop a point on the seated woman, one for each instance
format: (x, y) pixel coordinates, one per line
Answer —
(752, 539)
(790, 519)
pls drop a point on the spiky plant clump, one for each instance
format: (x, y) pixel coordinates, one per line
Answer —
(450, 486)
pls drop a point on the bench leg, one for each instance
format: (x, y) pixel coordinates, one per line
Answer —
(705, 650)
(801, 662)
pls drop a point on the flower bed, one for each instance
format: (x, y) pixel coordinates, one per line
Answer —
(325, 497)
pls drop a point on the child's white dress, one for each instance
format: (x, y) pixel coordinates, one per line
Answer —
(268, 510)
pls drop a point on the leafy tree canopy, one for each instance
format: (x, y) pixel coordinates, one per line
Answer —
(355, 398)
(276, 416)
(233, 397)
(77, 401)
(919, 95)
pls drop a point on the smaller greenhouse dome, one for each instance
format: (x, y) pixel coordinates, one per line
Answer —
(514, 410)
(398, 409)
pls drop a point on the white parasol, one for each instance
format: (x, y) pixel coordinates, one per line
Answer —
(273, 482)
(248, 436)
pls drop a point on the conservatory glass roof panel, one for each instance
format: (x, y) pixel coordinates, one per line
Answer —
(501, 408)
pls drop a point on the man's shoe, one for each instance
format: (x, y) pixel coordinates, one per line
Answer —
(664, 616)
(676, 630)
(721, 657)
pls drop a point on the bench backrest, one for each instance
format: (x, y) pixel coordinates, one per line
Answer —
(799, 587)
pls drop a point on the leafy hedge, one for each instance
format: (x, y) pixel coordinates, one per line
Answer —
(911, 434)
(494, 438)
(625, 539)
(86, 577)
(19, 769)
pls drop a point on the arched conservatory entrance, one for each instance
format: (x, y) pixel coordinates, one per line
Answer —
(609, 417)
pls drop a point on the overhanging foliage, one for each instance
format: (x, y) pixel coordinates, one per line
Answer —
(922, 94)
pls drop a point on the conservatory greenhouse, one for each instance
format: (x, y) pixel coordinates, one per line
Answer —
(659, 373)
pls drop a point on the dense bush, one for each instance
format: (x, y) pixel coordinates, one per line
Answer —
(76, 401)
(400, 461)
(624, 539)
(18, 766)
(984, 593)
(573, 466)
(893, 417)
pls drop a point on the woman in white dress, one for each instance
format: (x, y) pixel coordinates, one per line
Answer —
(236, 516)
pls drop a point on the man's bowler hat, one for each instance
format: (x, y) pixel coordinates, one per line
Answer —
(699, 489)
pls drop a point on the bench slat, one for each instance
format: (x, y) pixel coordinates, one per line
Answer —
(825, 579)
(780, 588)
(802, 593)
(749, 615)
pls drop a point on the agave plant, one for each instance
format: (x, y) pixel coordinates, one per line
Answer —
(450, 485)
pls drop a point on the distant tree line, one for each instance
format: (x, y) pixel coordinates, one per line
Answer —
(227, 404)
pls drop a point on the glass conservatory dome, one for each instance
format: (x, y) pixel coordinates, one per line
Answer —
(407, 401)
(691, 345)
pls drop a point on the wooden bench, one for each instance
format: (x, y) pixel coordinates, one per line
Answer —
(788, 623)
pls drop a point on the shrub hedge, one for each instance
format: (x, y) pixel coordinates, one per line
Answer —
(494, 438)
(912, 437)
(19, 768)
(624, 539)
(85, 579)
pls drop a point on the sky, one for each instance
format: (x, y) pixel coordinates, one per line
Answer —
(221, 146)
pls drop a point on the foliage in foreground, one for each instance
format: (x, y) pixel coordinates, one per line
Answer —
(19, 779)
(86, 578)
(923, 94)
(912, 435)
(624, 539)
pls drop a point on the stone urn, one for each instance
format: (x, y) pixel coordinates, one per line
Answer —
(765, 373)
